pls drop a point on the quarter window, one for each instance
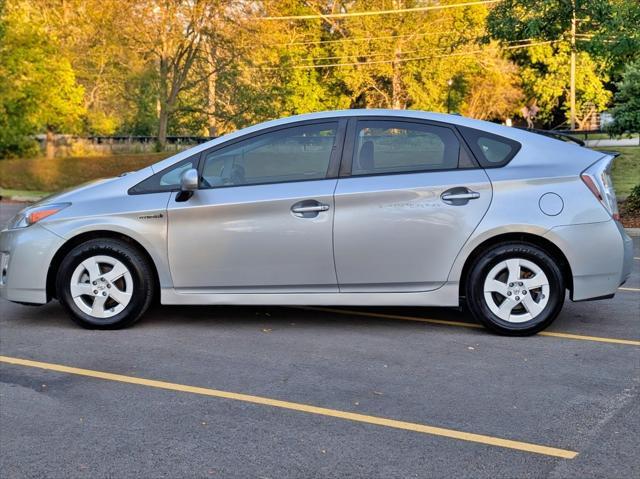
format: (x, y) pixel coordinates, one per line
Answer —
(293, 154)
(490, 150)
(167, 179)
(396, 147)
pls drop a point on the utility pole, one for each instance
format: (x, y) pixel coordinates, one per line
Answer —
(572, 93)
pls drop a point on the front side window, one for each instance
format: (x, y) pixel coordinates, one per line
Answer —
(292, 154)
(397, 146)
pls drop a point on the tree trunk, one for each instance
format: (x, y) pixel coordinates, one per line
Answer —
(163, 116)
(212, 83)
(397, 102)
(162, 124)
(50, 144)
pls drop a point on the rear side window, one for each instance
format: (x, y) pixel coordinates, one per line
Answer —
(490, 150)
(387, 146)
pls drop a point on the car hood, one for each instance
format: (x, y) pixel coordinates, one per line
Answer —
(96, 188)
(69, 193)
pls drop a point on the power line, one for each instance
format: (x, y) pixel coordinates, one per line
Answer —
(366, 39)
(401, 60)
(385, 37)
(379, 12)
(355, 55)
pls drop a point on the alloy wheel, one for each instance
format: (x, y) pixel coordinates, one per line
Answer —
(101, 286)
(516, 290)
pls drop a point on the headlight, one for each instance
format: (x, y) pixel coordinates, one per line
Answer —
(32, 215)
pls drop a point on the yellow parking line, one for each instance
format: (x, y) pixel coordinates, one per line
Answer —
(350, 416)
(597, 339)
(393, 316)
(580, 337)
(635, 290)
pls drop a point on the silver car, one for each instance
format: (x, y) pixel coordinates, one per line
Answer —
(358, 207)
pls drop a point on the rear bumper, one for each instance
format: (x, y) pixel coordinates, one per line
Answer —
(599, 255)
(26, 256)
(627, 262)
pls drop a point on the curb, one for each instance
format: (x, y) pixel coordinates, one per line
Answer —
(633, 232)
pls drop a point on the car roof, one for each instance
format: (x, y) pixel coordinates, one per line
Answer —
(409, 114)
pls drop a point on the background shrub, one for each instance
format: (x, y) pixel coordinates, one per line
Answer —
(632, 204)
(56, 174)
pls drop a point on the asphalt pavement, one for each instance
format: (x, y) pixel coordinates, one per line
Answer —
(275, 392)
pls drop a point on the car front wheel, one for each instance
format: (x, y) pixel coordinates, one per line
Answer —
(105, 284)
(515, 289)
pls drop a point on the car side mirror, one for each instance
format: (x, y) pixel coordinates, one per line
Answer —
(189, 180)
(188, 184)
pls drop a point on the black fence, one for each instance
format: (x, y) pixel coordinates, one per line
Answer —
(171, 140)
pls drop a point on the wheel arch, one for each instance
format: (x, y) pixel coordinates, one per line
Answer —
(551, 248)
(89, 235)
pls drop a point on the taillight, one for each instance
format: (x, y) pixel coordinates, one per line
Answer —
(591, 185)
(598, 179)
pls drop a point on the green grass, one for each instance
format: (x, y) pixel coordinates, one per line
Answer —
(626, 169)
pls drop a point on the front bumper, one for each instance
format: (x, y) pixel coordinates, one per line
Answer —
(599, 254)
(26, 256)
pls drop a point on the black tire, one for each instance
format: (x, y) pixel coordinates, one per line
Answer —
(136, 263)
(483, 265)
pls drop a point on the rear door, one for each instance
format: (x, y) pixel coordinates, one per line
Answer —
(409, 196)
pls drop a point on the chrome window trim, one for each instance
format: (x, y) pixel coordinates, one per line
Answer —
(334, 159)
(350, 141)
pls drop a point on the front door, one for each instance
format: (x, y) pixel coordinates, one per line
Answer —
(411, 199)
(262, 220)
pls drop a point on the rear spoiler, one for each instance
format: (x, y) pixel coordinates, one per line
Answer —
(615, 154)
(558, 135)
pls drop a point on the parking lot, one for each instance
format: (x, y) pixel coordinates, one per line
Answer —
(271, 392)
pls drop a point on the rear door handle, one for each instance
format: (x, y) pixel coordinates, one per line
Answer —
(308, 208)
(459, 196)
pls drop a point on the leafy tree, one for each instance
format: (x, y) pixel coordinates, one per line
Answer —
(38, 91)
(90, 34)
(408, 62)
(400, 60)
(170, 34)
(615, 33)
(545, 77)
(626, 110)
(492, 87)
(140, 97)
(547, 81)
(161, 67)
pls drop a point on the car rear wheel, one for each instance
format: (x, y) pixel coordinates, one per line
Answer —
(515, 289)
(105, 284)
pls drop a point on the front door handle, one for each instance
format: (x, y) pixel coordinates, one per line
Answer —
(459, 196)
(308, 208)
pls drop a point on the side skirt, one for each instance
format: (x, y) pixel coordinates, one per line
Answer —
(446, 296)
